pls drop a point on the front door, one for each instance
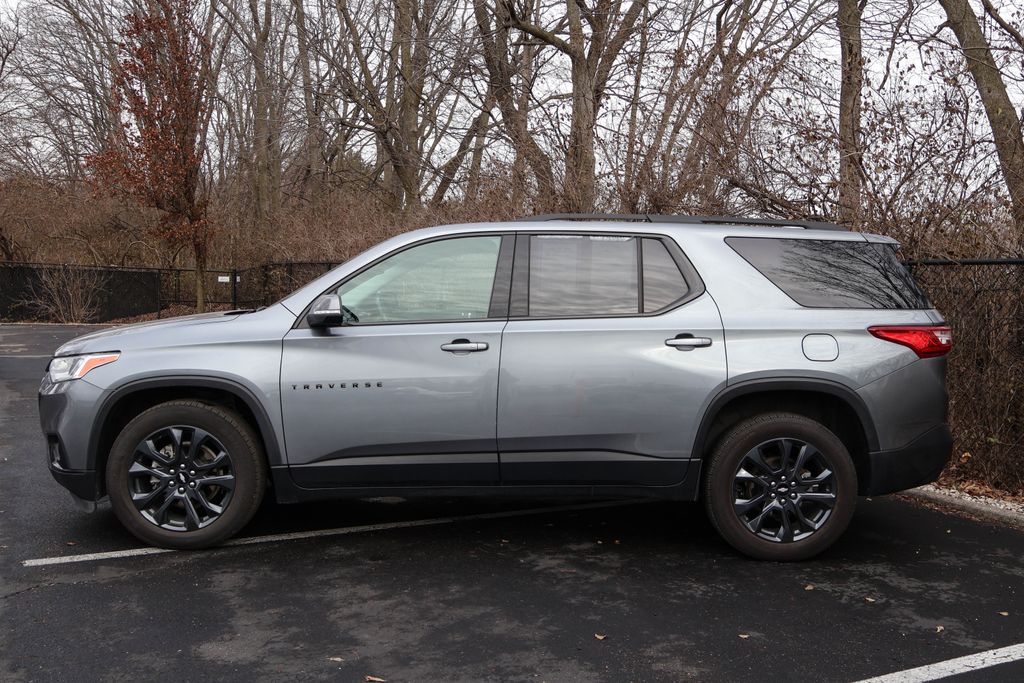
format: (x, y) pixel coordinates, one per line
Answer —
(611, 350)
(405, 392)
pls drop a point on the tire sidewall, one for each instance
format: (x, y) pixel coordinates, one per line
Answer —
(246, 463)
(726, 459)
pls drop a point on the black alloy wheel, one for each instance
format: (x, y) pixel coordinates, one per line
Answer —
(186, 474)
(784, 490)
(181, 478)
(780, 486)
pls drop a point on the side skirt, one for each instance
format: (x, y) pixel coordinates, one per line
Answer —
(285, 490)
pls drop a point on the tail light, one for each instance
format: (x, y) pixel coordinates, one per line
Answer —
(927, 341)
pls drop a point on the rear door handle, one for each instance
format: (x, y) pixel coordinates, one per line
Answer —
(687, 342)
(464, 346)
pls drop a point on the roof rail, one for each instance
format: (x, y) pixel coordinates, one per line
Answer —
(693, 220)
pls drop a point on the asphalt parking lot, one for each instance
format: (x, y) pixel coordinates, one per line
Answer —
(459, 590)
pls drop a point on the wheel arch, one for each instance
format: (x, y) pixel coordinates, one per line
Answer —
(836, 406)
(131, 399)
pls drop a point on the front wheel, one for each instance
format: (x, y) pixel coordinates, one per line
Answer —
(780, 487)
(185, 475)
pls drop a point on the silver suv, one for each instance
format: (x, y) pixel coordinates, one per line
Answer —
(774, 370)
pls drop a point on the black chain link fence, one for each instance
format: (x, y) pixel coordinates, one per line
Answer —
(66, 293)
(981, 299)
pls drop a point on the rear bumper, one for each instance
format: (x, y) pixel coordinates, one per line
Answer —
(919, 462)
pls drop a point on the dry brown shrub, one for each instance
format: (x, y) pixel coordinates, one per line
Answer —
(65, 294)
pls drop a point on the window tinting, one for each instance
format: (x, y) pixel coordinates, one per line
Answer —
(663, 283)
(583, 275)
(833, 274)
(444, 280)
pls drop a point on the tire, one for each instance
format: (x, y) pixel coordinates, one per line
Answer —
(174, 465)
(762, 514)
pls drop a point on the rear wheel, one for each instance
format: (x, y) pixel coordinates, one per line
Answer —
(780, 487)
(185, 475)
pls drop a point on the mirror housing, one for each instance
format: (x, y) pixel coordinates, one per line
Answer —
(326, 312)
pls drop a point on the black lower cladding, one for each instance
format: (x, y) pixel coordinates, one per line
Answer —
(919, 462)
(84, 484)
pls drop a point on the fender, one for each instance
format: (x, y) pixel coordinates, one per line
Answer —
(760, 386)
(237, 390)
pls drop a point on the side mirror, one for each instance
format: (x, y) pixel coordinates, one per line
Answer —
(326, 312)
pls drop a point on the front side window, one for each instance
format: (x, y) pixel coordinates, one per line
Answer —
(445, 280)
(583, 275)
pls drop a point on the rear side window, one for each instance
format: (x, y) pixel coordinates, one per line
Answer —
(583, 275)
(600, 275)
(664, 284)
(832, 273)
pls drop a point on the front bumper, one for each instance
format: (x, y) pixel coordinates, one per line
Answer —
(83, 484)
(66, 413)
(919, 462)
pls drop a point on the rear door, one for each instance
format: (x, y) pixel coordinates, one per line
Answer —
(611, 351)
(403, 394)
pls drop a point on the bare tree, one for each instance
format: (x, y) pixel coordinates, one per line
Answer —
(592, 56)
(849, 20)
(1002, 115)
(161, 91)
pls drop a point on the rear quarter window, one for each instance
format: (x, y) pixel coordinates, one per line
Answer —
(833, 273)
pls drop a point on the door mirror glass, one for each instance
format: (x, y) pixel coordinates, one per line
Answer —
(326, 312)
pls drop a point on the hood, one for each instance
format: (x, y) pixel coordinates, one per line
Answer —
(114, 338)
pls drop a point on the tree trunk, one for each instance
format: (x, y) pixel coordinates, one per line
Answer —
(1002, 117)
(7, 246)
(311, 174)
(513, 115)
(580, 162)
(263, 175)
(406, 141)
(199, 250)
(849, 19)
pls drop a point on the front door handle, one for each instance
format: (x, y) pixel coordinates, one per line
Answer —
(464, 346)
(685, 342)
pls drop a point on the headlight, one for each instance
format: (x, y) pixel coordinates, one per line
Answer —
(75, 367)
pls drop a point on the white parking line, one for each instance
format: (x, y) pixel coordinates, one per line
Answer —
(320, 533)
(954, 667)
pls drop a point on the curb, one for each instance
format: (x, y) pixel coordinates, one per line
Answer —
(970, 507)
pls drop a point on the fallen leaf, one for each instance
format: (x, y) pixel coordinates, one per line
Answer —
(744, 636)
(809, 587)
(940, 629)
(1004, 614)
(869, 599)
(600, 636)
(71, 543)
(375, 679)
(964, 457)
(335, 659)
